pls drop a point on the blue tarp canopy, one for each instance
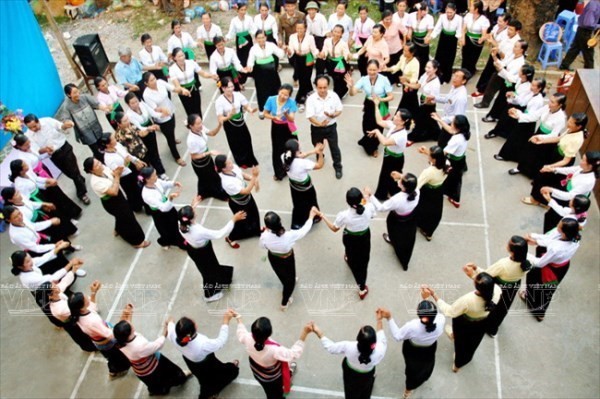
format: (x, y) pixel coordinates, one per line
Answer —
(28, 76)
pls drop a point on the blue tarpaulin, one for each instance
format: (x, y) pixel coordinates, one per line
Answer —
(28, 76)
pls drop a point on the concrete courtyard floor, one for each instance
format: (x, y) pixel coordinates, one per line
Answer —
(558, 358)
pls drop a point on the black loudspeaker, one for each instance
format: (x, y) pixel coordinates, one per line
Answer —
(91, 54)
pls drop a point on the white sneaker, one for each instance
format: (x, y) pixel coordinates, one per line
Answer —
(164, 177)
(290, 301)
(261, 115)
(80, 273)
(215, 297)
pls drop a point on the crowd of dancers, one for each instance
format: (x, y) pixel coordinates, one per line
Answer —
(128, 177)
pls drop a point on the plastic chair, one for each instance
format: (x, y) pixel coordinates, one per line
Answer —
(551, 51)
(569, 36)
(566, 19)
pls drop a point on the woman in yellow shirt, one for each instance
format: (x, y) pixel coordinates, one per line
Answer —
(409, 65)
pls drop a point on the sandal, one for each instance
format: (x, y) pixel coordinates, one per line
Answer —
(181, 162)
(488, 119)
(231, 243)
(85, 199)
(386, 238)
(177, 141)
(529, 201)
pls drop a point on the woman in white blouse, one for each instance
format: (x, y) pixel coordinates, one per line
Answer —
(475, 26)
(296, 166)
(428, 85)
(549, 269)
(225, 63)
(336, 54)
(420, 27)
(280, 246)
(360, 358)
(340, 18)
(158, 197)
(206, 34)
(181, 39)
(109, 95)
(216, 277)
(401, 222)
(151, 366)
(241, 30)
(304, 51)
(29, 152)
(363, 27)
(198, 352)
(420, 342)
(272, 364)
(267, 23)
(240, 198)
(356, 237)
(153, 58)
(156, 95)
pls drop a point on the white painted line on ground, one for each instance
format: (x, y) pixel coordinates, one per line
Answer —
(487, 245)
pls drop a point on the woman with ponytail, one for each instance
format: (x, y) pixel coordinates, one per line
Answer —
(106, 184)
(420, 342)
(198, 352)
(401, 222)
(157, 197)
(152, 367)
(394, 143)
(469, 317)
(216, 277)
(430, 183)
(304, 195)
(577, 209)
(360, 358)
(280, 246)
(428, 85)
(84, 312)
(272, 364)
(549, 269)
(357, 236)
(234, 183)
(507, 273)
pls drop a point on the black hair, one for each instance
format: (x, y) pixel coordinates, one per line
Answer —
(42, 297)
(593, 158)
(373, 62)
(8, 193)
(288, 87)
(581, 120)
(17, 260)
(363, 7)
(185, 329)
(122, 331)
(7, 211)
(427, 310)
(104, 141)
(386, 13)
(119, 116)
(421, 5)
(185, 215)
(380, 28)
(478, 5)
(342, 2)
(518, 246)
(30, 118)
(69, 88)
(439, 158)
(461, 123)
(174, 23)
(339, 26)
(409, 183)
(529, 71)
(16, 167)
(570, 228)
(507, 17)
(436, 65)
(451, 6)
(300, 21)
(76, 303)
(145, 173)
(176, 51)
(323, 76)
(406, 117)
(242, 4)
(129, 96)
(561, 98)
(20, 139)
(581, 204)
(263, 4)
(98, 80)
(191, 119)
(261, 331)
(218, 39)
(88, 164)
(220, 161)
(541, 82)
(411, 47)
(484, 283)
(515, 23)
(466, 74)
(354, 198)
(524, 45)
(146, 76)
(225, 81)
(145, 37)
(291, 148)
(366, 340)
(260, 32)
(273, 223)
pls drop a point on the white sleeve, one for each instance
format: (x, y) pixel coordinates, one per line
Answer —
(335, 348)
(399, 334)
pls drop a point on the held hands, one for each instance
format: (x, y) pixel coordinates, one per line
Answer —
(51, 182)
(314, 212)
(470, 269)
(373, 133)
(316, 329)
(537, 139)
(547, 169)
(55, 221)
(238, 216)
(67, 124)
(166, 326)
(255, 171)
(48, 207)
(425, 293)
(118, 171)
(396, 175)
(436, 117)
(383, 313)
(546, 191)
(185, 92)
(59, 246)
(422, 150)
(128, 311)
(367, 192)
(196, 201)
(320, 147)
(513, 113)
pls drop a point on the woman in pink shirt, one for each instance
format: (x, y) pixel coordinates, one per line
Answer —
(394, 36)
(375, 48)
(109, 96)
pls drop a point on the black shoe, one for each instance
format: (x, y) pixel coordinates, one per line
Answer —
(514, 171)
(488, 119)
(481, 105)
(489, 135)
(338, 174)
(498, 157)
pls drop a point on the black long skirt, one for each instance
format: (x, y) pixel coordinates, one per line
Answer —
(402, 232)
(539, 294)
(430, 209)
(304, 197)
(64, 205)
(267, 82)
(497, 315)
(79, 337)
(506, 126)
(425, 128)
(249, 227)
(166, 376)
(370, 144)
(551, 218)
(216, 277)
(387, 186)
(446, 54)
(280, 134)
(467, 337)
(363, 59)
(470, 55)
(320, 64)
(223, 73)
(193, 103)
(152, 155)
(394, 59)
(132, 190)
(242, 53)
(357, 385)
(210, 49)
(421, 53)
(167, 225)
(285, 269)
(209, 182)
(358, 252)
(126, 225)
(212, 374)
(516, 142)
(486, 74)
(453, 183)
(420, 362)
(240, 143)
(56, 233)
(339, 84)
(500, 106)
(304, 73)
(409, 101)
(117, 361)
(548, 179)
(533, 157)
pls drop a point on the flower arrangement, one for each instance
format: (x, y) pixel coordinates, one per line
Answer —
(11, 121)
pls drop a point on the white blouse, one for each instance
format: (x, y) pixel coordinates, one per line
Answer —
(267, 24)
(352, 221)
(35, 277)
(160, 98)
(339, 50)
(307, 45)
(201, 346)
(284, 243)
(429, 87)
(114, 93)
(557, 250)
(199, 236)
(31, 157)
(185, 41)
(414, 330)
(208, 36)
(146, 114)
(350, 350)
(581, 183)
(185, 75)
(457, 145)
(425, 24)
(477, 26)
(60, 308)
(399, 203)
(156, 197)
(28, 208)
(455, 25)
(197, 143)
(554, 122)
(29, 184)
(223, 106)
(140, 347)
(153, 57)
(345, 21)
(27, 237)
(523, 94)
(399, 137)
(49, 135)
(511, 71)
(233, 184)
(237, 26)
(317, 26)
(229, 57)
(257, 53)
(299, 169)
(362, 30)
(115, 159)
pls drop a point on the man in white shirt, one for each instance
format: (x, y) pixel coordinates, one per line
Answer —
(322, 109)
(48, 134)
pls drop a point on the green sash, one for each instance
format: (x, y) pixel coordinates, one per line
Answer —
(356, 233)
(474, 35)
(265, 60)
(310, 59)
(420, 34)
(230, 68)
(456, 158)
(113, 111)
(434, 186)
(384, 109)
(147, 123)
(189, 85)
(237, 117)
(339, 66)
(242, 38)
(208, 43)
(560, 151)
(387, 151)
(447, 32)
(269, 32)
(545, 129)
(189, 53)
